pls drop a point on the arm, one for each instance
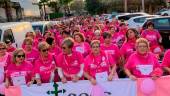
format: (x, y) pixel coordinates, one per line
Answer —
(128, 73)
(61, 75)
(90, 78)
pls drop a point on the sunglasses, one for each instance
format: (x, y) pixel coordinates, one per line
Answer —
(63, 47)
(95, 46)
(7, 42)
(45, 50)
(2, 48)
(19, 56)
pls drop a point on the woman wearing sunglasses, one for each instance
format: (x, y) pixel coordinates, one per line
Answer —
(5, 59)
(9, 48)
(70, 63)
(44, 69)
(31, 53)
(98, 66)
(142, 63)
(19, 72)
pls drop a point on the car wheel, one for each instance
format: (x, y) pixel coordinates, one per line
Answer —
(165, 14)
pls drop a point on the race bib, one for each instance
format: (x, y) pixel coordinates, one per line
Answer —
(19, 80)
(157, 50)
(80, 49)
(101, 77)
(145, 69)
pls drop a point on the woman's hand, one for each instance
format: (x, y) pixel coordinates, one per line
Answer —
(38, 82)
(110, 77)
(63, 80)
(75, 78)
(7, 84)
(132, 77)
(93, 81)
(30, 83)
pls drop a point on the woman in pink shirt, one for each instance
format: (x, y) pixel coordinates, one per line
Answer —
(129, 45)
(80, 44)
(99, 66)
(53, 48)
(70, 63)
(19, 72)
(5, 60)
(166, 61)
(154, 38)
(109, 48)
(142, 63)
(31, 53)
(10, 48)
(45, 65)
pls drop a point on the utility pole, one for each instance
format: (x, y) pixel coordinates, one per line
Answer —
(143, 5)
(125, 5)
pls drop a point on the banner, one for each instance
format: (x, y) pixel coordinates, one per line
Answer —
(121, 87)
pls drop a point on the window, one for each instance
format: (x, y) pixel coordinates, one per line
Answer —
(163, 22)
(38, 27)
(140, 20)
(8, 35)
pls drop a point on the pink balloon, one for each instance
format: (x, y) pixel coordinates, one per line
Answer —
(97, 91)
(147, 87)
(2, 89)
(1, 78)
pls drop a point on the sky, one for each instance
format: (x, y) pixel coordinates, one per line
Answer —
(29, 8)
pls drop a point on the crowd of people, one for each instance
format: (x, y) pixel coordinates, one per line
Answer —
(85, 48)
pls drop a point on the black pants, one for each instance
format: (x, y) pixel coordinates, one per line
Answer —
(2, 95)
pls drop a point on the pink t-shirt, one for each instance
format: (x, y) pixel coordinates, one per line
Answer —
(32, 56)
(166, 59)
(83, 48)
(70, 64)
(152, 36)
(142, 66)
(111, 50)
(118, 38)
(127, 49)
(22, 72)
(55, 51)
(98, 64)
(5, 60)
(45, 67)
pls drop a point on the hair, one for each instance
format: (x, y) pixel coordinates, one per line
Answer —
(28, 39)
(106, 35)
(33, 34)
(149, 23)
(135, 31)
(50, 40)
(3, 44)
(42, 44)
(142, 40)
(69, 42)
(94, 42)
(15, 54)
(80, 35)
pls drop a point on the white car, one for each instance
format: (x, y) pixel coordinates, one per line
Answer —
(164, 12)
(138, 21)
(127, 16)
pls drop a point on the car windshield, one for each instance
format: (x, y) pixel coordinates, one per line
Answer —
(38, 27)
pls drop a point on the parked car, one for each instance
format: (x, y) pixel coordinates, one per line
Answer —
(164, 12)
(137, 22)
(162, 24)
(15, 31)
(42, 26)
(127, 16)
